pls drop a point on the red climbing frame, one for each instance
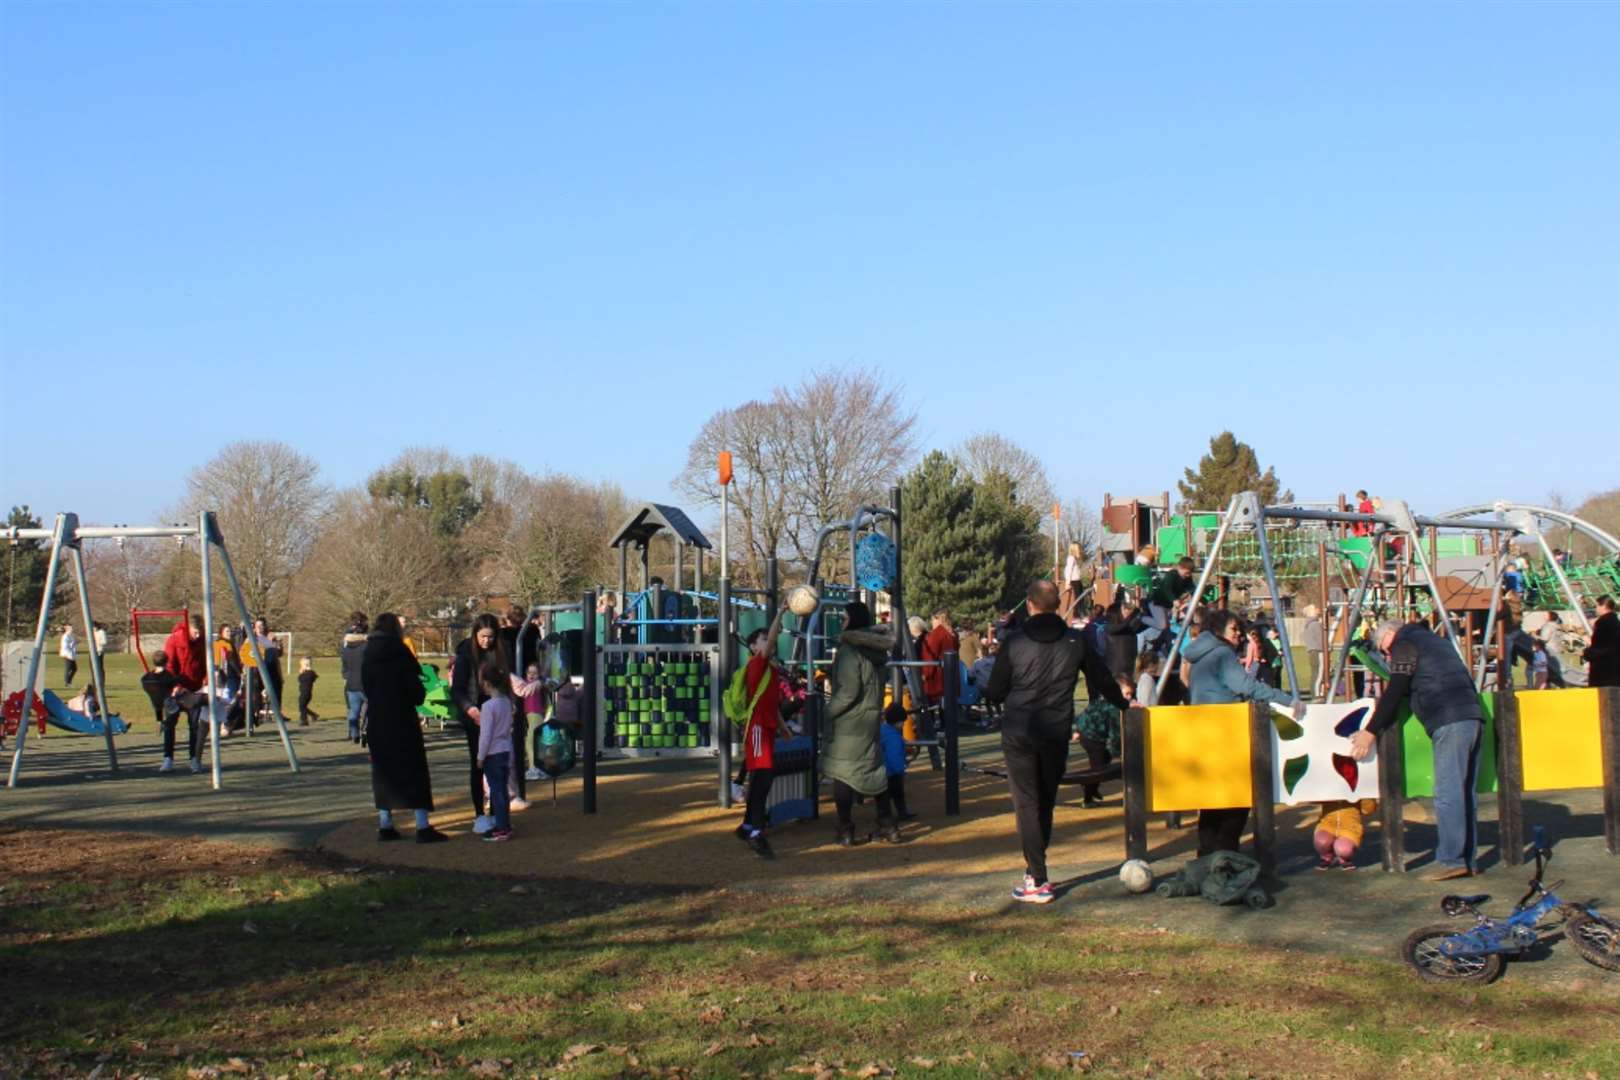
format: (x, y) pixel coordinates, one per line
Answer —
(135, 617)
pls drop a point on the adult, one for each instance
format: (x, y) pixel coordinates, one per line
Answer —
(68, 650)
(187, 662)
(270, 675)
(1072, 567)
(514, 625)
(1551, 634)
(1314, 639)
(1218, 678)
(391, 680)
(351, 657)
(851, 754)
(1168, 587)
(1427, 668)
(467, 692)
(939, 640)
(1034, 678)
(1602, 656)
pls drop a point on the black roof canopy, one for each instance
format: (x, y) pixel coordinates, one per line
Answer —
(644, 523)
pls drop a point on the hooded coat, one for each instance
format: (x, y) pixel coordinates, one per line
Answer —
(851, 748)
(392, 681)
(1218, 677)
(187, 661)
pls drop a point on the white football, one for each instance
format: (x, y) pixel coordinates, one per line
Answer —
(1136, 875)
(803, 601)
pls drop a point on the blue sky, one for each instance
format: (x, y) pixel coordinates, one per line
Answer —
(1381, 242)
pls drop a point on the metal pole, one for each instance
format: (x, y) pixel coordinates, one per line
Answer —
(1198, 593)
(1276, 600)
(271, 694)
(1569, 590)
(95, 655)
(1490, 617)
(208, 637)
(588, 700)
(720, 724)
(65, 525)
(1353, 617)
(1434, 588)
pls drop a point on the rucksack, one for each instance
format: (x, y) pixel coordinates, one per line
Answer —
(736, 703)
(556, 754)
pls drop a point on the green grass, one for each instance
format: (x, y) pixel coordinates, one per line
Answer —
(297, 968)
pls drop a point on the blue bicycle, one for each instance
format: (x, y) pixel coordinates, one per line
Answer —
(1440, 953)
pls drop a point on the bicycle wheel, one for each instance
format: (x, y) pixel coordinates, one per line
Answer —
(1421, 951)
(1596, 939)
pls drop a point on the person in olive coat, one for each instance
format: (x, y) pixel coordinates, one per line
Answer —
(851, 754)
(392, 679)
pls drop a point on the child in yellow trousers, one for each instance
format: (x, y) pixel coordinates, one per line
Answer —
(1338, 833)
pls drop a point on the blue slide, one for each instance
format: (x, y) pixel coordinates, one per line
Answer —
(58, 714)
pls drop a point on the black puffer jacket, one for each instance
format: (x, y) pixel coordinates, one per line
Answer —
(1035, 675)
(1426, 666)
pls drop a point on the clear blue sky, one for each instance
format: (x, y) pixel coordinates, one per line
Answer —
(1381, 242)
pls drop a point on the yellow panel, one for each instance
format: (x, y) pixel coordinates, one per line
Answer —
(1198, 757)
(1562, 746)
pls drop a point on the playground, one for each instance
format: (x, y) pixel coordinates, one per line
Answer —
(625, 931)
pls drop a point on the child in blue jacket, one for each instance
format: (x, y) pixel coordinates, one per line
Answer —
(894, 758)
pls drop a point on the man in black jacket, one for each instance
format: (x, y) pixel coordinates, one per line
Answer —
(1603, 654)
(1034, 679)
(1426, 667)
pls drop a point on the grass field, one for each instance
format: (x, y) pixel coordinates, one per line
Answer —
(128, 955)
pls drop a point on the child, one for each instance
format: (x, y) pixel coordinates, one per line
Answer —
(306, 689)
(495, 748)
(1338, 833)
(1538, 664)
(894, 758)
(158, 684)
(1147, 679)
(1098, 731)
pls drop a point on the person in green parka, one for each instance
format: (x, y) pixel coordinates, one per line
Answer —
(851, 748)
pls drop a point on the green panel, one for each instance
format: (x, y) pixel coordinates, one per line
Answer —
(1420, 753)
(1357, 549)
(1172, 543)
(1453, 546)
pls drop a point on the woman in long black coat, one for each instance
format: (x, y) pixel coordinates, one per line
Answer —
(392, 680)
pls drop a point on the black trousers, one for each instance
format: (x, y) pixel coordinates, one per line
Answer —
(1034, 770)
(196, 730)
(520, 752)
(1221, 830)
(1097, 757)
(897, 793)
(844, 800)
(759, 789)
(70, 668)
(477, 774)
(303, 708)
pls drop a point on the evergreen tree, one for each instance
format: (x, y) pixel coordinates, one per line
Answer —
(969, 547)
(27, 563)
(1230, 467)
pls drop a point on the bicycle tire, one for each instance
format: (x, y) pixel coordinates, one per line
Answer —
(1597, 940)
(1422, 955)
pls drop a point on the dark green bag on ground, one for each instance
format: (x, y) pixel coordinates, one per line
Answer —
(1226, 877)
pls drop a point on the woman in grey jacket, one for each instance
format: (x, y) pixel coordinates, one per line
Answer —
(850, 754)
(1218, 678)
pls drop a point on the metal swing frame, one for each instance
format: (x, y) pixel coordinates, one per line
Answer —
(68, 536)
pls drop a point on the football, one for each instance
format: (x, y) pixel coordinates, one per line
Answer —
(1136, 876)
(802, 601)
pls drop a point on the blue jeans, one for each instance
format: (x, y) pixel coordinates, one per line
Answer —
(357, 701)
(1158, 624)
(1456, 770)
(496, 768)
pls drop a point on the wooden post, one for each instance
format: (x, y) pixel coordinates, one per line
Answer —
(1392, 798)
(1609, 736)
(1133, 769)
(1509, 780)
(1263, 786)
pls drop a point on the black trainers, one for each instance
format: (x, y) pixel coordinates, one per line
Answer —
(889, 833)
(430, 835)
(762, 847)
(390, 833)
(846, 836)
(741, 833)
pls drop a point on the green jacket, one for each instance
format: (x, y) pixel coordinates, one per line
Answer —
(851, 750)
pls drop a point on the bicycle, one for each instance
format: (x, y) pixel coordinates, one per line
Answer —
(1441, 953)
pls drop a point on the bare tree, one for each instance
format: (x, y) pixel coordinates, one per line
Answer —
(372, 556)
(757, 434)
(989, 452)
(558, 544)
(1082, 526)
(270, 504)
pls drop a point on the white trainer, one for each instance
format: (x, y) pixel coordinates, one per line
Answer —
(196, 766)
(482, 824)
(532, 774)
(167, 766)
(519, 804)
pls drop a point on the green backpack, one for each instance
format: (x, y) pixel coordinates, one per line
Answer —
(735, 702)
